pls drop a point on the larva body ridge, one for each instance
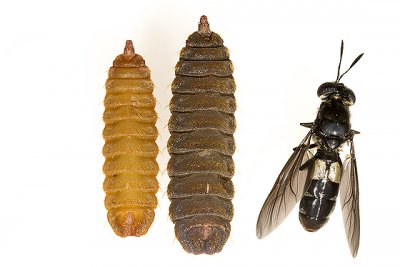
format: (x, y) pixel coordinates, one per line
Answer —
(201, 144)
(130, 149)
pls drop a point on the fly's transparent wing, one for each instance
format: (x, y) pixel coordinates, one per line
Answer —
(287, 191)
(349, 200)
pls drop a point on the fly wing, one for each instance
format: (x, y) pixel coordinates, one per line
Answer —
(287, 191)
(349, 200)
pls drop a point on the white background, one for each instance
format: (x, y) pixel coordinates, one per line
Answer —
(54, 59)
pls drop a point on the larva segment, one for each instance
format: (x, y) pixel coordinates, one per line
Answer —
(130, 149)
(202, 144)
(200, 85)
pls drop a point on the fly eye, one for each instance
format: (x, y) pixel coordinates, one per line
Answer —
(326, 89)
(350, 97)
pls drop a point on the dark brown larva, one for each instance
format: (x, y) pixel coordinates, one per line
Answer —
(130, 148)
(202, 144)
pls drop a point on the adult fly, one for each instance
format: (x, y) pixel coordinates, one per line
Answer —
(315, 172)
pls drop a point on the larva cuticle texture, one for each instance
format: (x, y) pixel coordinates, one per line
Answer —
(202, 144)
(130, 148)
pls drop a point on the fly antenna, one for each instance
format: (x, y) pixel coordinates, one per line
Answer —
(340, 62)
(352, 64)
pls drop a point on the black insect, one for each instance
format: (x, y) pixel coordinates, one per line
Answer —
(315, 173)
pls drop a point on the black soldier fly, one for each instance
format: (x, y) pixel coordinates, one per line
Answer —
(314, 174)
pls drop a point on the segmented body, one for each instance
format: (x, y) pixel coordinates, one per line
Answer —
(130, 148)
(319, 199)
(202, 144)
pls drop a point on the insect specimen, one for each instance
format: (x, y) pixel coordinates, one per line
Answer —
(315, 172)
(130, 148)
(201, 143)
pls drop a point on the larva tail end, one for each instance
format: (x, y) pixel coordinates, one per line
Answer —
(204, 27)
(131, 222)
(202, 238)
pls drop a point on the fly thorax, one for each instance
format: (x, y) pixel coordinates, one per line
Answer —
(333, 119)
(334, 129)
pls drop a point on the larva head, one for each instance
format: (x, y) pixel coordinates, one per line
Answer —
(202, 235)
(129, 59)
(204, 27)
(129, 50)
(336, 90)
(204, 37)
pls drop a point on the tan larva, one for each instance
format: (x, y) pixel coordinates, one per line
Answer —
(202, 144)
(130, 148)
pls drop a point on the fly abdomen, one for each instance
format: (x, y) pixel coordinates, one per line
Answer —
(202, 144)
(319, 199)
